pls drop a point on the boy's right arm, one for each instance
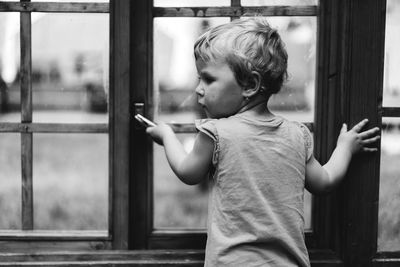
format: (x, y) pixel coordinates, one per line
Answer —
(323, 179)
(191, 168)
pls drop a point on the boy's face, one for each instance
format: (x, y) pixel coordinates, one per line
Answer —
(218, 92)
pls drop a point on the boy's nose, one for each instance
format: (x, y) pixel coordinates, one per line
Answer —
(200, 90)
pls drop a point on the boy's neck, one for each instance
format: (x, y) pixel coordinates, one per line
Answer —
(257, 105)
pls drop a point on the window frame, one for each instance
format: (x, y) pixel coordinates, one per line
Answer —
(354, 84)
(28, 238)
(344, 223)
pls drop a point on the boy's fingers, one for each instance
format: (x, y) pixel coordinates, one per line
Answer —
(369, 133)
(371, 140)
(357, 128)
(344, 128)
(149, 130)
(369, 149)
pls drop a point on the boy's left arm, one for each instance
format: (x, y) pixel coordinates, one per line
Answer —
(323, 179)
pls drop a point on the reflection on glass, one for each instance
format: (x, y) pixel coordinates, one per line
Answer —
(391, 85)
(70, 181)
(10, 181)
(9, 65)
(175, 79)
(70, 59)
(190, 3)
(389, 189)
(278, 2)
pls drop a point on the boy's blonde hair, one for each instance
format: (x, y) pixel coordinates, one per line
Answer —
(247, 45)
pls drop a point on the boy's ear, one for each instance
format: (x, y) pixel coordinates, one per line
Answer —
(254, 86)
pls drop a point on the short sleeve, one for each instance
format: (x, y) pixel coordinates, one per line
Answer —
(208, 127)
(308, 141)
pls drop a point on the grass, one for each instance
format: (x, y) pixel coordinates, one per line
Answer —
(70, 181)
(10, 177)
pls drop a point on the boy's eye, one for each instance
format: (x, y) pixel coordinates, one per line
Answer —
(207, 79)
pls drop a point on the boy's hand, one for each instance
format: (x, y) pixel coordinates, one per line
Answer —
(356, 140)
(159, 132)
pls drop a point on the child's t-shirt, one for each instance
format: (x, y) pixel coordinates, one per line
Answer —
(256, 213)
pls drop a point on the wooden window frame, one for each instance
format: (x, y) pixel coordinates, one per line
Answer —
(349, 88)
(28, 238)
(352, 79)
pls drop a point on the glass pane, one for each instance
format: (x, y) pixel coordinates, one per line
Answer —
(175, 203)
(295, 101)
(10, 181)
(175, 75)
(389, 190)
(175, 78)
(70, 181)
(9, 67)
(391, 85)
(307, 210)
(190, 3)
(70, 66)
(278, 2)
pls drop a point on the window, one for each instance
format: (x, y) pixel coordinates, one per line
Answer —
(347, 72)
(54, 113)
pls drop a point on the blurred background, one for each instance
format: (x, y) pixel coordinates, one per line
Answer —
(70, 82)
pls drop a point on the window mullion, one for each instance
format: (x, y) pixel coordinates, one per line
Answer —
(363, 80)
(391, 111)
(26, 117)
(54, 7)
(235, 3)
(235, 11)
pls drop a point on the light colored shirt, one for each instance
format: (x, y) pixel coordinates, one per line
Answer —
(255, 215)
